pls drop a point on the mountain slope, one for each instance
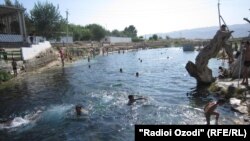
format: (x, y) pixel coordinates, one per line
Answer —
(240, 30)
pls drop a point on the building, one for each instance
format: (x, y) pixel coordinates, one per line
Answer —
(12, 25)
(113, 40)
(13, 36)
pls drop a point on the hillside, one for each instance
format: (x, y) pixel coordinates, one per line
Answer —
(240, 30)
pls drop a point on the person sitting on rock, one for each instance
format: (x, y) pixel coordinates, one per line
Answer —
(223, 73)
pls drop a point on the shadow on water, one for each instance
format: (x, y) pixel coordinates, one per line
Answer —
(199, 95)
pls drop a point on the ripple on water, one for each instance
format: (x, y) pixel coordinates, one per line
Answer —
(103, 91)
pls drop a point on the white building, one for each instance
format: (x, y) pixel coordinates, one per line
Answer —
(112, 40)
(12, 25)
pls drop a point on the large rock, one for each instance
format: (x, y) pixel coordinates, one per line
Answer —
(199, 70)
(238, 106)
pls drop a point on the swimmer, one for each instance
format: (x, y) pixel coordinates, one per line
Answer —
(137, 74)
(79, 110)
(132, 99)
(18, 121)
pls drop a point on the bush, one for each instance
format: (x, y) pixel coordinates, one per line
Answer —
(214, 88)
(4, 76)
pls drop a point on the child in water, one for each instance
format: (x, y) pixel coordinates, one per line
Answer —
(132, 99)
(79, 110)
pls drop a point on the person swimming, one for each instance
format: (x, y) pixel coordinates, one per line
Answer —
(20, 121)
(79, 110)
(132, 99)
(137, 74)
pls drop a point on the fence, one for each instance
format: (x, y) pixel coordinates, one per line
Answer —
(11, 38)
(9, 54)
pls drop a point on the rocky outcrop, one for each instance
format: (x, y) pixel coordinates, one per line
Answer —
(239, 106)
(199, 70)
(40, 60)
(236, 68)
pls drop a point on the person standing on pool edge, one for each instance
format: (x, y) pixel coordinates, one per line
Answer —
(209, 110)
(61, 52)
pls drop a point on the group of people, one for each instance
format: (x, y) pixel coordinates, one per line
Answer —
(131, 100)
(245, 59)
(209, 108)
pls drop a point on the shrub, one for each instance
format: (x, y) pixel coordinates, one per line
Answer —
(4, 76)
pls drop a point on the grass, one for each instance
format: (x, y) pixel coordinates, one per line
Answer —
(4, 76)
(238, 92)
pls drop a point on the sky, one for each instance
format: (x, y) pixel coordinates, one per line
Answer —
(150, 16)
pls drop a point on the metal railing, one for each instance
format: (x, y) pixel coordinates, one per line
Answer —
(8, 55)
(11, 38)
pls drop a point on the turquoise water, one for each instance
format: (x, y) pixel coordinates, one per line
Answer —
(42, 104)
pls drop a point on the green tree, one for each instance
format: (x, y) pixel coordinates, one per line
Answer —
(8, 3)
(76, 31)
(80, 33)
(97, 32)
(155, 37)
(46, 19)
(117, 33)
(86, 34)
(18, 4)
(130, 31)
(136, 39)
(29, 23)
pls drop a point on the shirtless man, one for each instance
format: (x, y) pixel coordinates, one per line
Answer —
(246, 59)
(209, 110)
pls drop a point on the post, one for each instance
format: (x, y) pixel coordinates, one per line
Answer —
(219, 13)
(67, 13)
